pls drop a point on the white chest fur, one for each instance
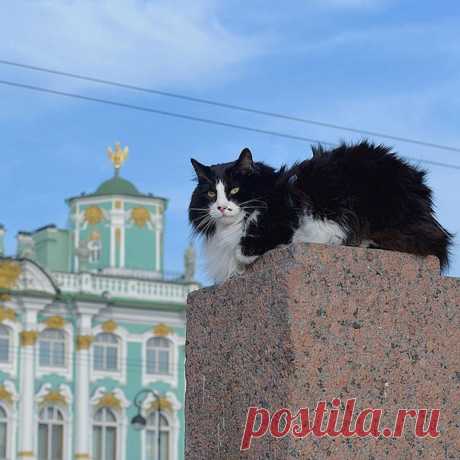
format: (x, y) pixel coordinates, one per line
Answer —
(220, 251)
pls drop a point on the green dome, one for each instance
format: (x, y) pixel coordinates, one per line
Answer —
(117, 186)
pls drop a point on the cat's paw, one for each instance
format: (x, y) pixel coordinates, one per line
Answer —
(242, 259)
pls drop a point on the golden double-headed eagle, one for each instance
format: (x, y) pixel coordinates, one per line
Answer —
(118, 156)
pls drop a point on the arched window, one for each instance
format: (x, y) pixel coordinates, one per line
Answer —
(153, 444)
(3, 434)
(5, 338)
(52, 348)
(106, 352)
(159, 356)
(105, 435)
(51, 434)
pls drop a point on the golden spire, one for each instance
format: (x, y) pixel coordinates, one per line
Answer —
(118, 157)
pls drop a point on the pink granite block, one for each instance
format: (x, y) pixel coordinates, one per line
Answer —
(311, 322)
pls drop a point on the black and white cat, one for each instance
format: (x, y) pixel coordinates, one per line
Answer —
(358, 195)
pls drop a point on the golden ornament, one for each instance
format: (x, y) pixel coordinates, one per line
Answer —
(5, 395)
(109, 326)
(55, 322)
(84, 342)
(163, 403)
(93, 215)
(28, 338)
(9, 274)
(140, 216)
(7, 313)
(162, 330)
(109, 400)
(54, 397)
(118, 157)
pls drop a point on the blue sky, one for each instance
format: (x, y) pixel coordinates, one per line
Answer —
(380, 65)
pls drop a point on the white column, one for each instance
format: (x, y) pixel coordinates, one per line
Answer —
(27, 429)
(83, 417)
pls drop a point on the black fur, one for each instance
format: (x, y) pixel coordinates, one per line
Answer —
(365, 188)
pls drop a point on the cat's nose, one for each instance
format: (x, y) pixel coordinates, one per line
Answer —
(222, 208)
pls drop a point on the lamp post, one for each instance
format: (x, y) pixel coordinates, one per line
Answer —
(138, 421)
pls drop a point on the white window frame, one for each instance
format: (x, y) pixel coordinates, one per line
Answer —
(156, 414)
(122, 419)
(173, 420)
(65, 427)
(157, 349)
(11, 367)
(120, 374)
(95, 251)
(11, 420)
(65, 371)
(172, 378)
(104, 425)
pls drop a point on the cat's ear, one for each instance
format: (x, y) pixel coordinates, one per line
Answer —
(203, 172)
(245, 164)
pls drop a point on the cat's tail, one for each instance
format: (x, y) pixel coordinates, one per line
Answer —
(425, 238)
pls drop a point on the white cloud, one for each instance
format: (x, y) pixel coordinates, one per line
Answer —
(158, 43)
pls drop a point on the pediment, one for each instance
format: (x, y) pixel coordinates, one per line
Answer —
(25, 275)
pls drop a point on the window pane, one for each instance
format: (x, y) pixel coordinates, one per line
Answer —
(44, 353)
(164, 439)
(57, 441)
(163, 365)
(150, 444)
(112, 358)
(98, 357)
(151, 362)
(110, 443)
(42, 441)
(3, 432)
(4, 349)
(97, 443)
(59, 354)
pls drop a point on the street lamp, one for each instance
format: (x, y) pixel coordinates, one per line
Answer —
(138, 421)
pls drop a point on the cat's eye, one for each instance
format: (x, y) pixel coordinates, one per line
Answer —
(234, 190)
(211, 194)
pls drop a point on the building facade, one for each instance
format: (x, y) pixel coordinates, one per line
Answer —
(88, 319)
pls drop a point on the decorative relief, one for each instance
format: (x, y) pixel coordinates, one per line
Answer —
(84, 342)
(114, 399)
(166, 402)
(6, 394)
(55, 322)
(49, 395)
(94, 215)
(9, 274)
(118, 204)
(109, 326)
(162, 330)
(28, 338)
(7, 314)
(162, 403)
(109, 400)
(140, 216)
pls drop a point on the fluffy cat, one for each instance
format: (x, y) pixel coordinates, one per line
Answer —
(358, 195)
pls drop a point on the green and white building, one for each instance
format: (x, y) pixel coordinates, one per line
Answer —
(88, 318)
